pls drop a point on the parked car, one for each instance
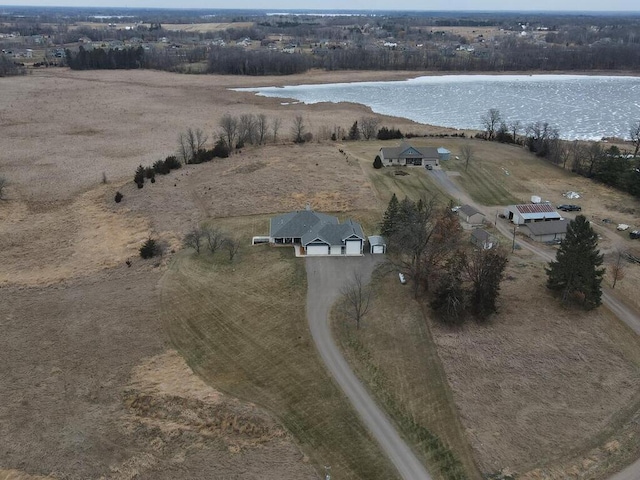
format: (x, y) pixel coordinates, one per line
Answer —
(634, 234)
(429, 166)
(569, 208)
(402, 279)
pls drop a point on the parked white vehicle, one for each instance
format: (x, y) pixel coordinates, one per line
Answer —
(402, 279)
(622, 227)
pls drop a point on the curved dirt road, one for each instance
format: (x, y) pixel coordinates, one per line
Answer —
(325, 277)
(619, 309)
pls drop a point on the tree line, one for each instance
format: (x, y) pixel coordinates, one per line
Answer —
(9, 68)
(608, 165)
(105, 59)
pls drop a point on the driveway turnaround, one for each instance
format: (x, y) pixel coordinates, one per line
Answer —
(325, 278)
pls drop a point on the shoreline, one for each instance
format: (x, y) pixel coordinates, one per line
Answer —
(323, 77)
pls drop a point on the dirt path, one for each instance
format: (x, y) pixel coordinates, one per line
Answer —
(619, 308)
(325, 277)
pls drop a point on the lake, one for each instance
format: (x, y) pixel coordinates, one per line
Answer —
(580, 106)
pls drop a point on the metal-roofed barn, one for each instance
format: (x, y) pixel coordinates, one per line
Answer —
(531, 212)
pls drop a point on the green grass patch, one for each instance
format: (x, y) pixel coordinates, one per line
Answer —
(395, 356)
(488, 184)
(242, 327)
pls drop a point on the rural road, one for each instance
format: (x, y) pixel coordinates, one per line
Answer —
(624, 313)
(325, 277)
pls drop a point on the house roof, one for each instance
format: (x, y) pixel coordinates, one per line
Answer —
(548, 228)
(481, 235)
(296, 224)
(468, 210)
(333, 233)
(408, 151)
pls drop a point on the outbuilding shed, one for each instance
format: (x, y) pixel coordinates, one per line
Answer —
(531, 212)
(470, 215)
(483, 239)
(546, 231)
(444, 154)
(377, 244)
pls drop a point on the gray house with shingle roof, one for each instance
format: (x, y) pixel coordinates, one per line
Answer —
(317, 233)
(406, 154)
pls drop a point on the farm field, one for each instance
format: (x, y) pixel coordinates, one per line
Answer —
(89, 351)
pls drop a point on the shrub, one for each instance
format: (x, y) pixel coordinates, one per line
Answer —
(149, 172)
(161, 167)
(149, 249)
(172, 162)
(377, 163)
(118, 198)
(220, 149)
(139, 176)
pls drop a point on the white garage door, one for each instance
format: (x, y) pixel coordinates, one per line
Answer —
(378, 249)
(353, 247)
(318, 250)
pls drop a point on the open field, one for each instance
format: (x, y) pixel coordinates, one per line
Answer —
(81, 330)
(242, 327)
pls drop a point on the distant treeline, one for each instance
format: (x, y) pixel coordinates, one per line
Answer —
(9, 68)
(105, 59)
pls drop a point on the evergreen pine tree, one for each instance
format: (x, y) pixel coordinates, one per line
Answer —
(390, 219)
(575, 272)
(354, 132)
(377, 162)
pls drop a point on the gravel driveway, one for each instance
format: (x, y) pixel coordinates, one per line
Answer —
(325, 277)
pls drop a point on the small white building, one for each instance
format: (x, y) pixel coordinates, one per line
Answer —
(483, 239)
(531, 213)
(377, 245)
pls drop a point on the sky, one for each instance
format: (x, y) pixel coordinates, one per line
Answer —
(447, 5)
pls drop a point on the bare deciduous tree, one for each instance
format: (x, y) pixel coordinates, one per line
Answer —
(634, 133)
(3, 185)
(357, 298)
(231, 245)
(262, 128)
(466, 152)
(190, 143)
(490, 121)
(298, 129)
(193, 239)
(247, 129)
(515, 126)
(229, 126)
(276, 123)
(369, 127)
(617, 269)
(214, 238)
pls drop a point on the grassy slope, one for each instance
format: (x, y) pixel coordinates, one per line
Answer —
(242, 327)
(395, 355)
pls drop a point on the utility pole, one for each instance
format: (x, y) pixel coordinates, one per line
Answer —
(513, 244)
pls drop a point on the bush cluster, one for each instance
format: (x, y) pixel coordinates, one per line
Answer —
(389, 133)
(161, 167)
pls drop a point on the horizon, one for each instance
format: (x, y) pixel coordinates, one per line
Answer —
(619, 7)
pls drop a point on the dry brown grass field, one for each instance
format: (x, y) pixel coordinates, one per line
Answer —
(88, 372)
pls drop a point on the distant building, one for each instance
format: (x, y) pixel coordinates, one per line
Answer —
(546, 231)
(470, 215)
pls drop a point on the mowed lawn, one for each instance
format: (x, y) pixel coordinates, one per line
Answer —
(395, 355)
(242, 327)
